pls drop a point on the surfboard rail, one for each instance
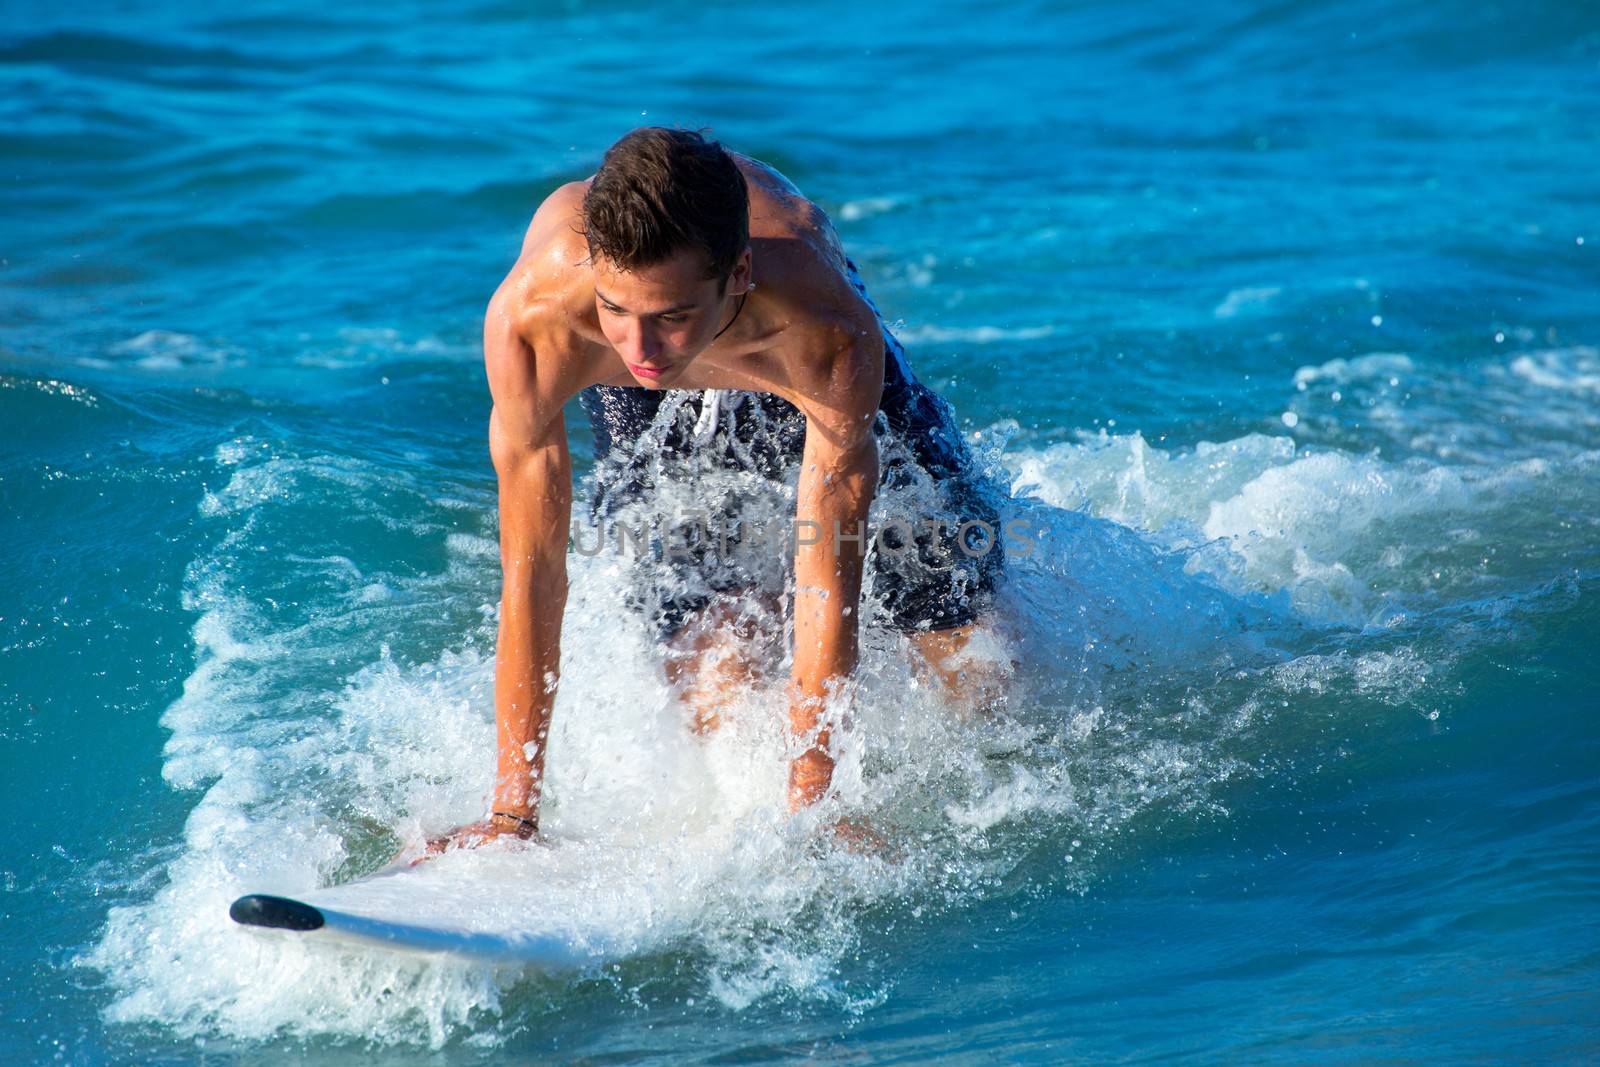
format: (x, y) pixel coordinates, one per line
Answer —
(287, 916)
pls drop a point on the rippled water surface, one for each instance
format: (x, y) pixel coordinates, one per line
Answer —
(1278, 319)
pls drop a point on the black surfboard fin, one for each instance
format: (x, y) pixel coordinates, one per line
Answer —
(279, 913)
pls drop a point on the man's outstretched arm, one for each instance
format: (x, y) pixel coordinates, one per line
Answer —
(535, 476)
(838, 477)
(528, 444)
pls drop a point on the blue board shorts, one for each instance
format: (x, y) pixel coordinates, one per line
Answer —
(934, 559)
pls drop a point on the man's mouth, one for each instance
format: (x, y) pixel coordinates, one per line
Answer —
(641, 371)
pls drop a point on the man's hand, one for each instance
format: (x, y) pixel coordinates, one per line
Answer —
(472, 835)
(810, 774)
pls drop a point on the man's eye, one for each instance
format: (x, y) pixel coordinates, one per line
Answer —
(612, 309)
(672, 318)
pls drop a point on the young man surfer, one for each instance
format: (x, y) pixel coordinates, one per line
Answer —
(680, 266)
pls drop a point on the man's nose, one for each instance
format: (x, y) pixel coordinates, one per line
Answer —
(645, 345)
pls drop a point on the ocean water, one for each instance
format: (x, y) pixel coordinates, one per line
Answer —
(1279, 320)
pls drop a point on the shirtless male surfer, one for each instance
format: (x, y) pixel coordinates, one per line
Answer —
(682, 266)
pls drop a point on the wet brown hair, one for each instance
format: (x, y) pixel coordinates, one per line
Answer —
(659, 191)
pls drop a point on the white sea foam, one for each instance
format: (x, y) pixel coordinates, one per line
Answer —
(1349, 539)
(663, 838)
(171, 350)
(854, 210)
(977, 335)
(1343, 371)
(1533, 405)
(1246, 299)
(314, 750)
(362, 346)
(1574, 370)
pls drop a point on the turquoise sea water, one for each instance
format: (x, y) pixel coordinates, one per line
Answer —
(1282, 317)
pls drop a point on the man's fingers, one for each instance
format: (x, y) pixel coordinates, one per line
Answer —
(461, 837)
(469, 836)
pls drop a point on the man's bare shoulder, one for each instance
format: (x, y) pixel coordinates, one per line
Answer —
(797, 251)
(780, 211)
(558, 217)
(550, 286)
(535, 342)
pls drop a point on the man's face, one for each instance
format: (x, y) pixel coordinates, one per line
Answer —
(660, 317)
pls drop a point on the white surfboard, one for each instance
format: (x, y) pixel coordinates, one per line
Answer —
(501, 908)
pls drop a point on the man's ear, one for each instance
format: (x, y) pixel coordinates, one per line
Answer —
(741, 281)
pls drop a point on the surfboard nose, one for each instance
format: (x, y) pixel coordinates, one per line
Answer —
(279, 913)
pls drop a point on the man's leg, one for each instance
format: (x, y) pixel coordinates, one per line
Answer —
(717, 655)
